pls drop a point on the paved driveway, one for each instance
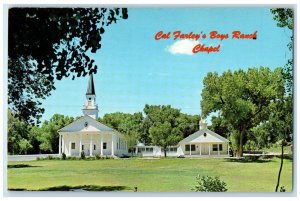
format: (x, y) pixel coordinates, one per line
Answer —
(28, 157)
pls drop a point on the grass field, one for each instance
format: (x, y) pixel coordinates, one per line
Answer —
(149, 175)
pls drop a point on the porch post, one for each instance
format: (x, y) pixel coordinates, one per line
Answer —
(80, 144)
(208, 149)
(91, 145)
(228, 149)
(112, 145)
(59, 151)
(190, 149)
(70, 150)
(101, 145)
(218, 149)
(200, 149)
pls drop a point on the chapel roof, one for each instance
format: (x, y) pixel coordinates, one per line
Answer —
(204, 136)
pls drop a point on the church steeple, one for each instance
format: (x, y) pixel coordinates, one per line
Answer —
(91, 88)
(90, 107)
(202, 124)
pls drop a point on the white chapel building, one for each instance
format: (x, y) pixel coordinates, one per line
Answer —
(88, 135)
(204, 142)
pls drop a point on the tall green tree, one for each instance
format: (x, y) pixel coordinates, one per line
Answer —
(49, 137)
(285, 19)
(48, 44)
(219, 125)
(242, 98)
(17, 132)
(163, 129)
(130, 125)
(187, 124)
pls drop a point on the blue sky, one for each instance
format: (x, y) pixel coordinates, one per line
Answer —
(134, 69)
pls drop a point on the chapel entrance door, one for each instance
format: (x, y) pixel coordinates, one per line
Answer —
(204, 149)
(86, 149)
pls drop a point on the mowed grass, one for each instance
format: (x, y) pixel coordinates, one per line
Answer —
(149, 175)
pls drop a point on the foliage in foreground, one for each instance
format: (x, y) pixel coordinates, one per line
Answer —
(209, 184)
(48, 44)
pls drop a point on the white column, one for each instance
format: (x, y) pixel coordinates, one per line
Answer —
(200, 149)
(218, 149)
(91, 145)
(190, 149)
(101, 145)
(112, 145)
(59, 151)
(80, 144)
(228, 149)
(70, 150)
(208, 149)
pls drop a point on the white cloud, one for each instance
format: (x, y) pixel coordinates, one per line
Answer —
(182, 47)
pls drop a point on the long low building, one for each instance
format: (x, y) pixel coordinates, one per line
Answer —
(201, 143)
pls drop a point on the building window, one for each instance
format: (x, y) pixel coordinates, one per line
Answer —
(173, 149)
(94, 147)
(82, 147)
(205, 134)
(90, 98)
(104, 145)
(187, 147)
(193, 148)
(73, 145)
(220, 147)
(149, 149)
(215, 147)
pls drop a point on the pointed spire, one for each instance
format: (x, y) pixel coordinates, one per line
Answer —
(91, 88)
(202, 124)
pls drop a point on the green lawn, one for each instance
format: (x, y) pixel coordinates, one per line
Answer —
(149, 175)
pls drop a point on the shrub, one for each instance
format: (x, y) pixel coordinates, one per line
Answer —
(50, 157)
(72, 158)
(97, 156)
(209, 184)
(82, 155)
(63, 156)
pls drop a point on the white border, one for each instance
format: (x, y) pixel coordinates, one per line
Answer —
(153, 3)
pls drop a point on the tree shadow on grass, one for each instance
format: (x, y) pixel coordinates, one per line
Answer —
(17, 189)
(21, 166)
(243, 160)
(86, 188)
